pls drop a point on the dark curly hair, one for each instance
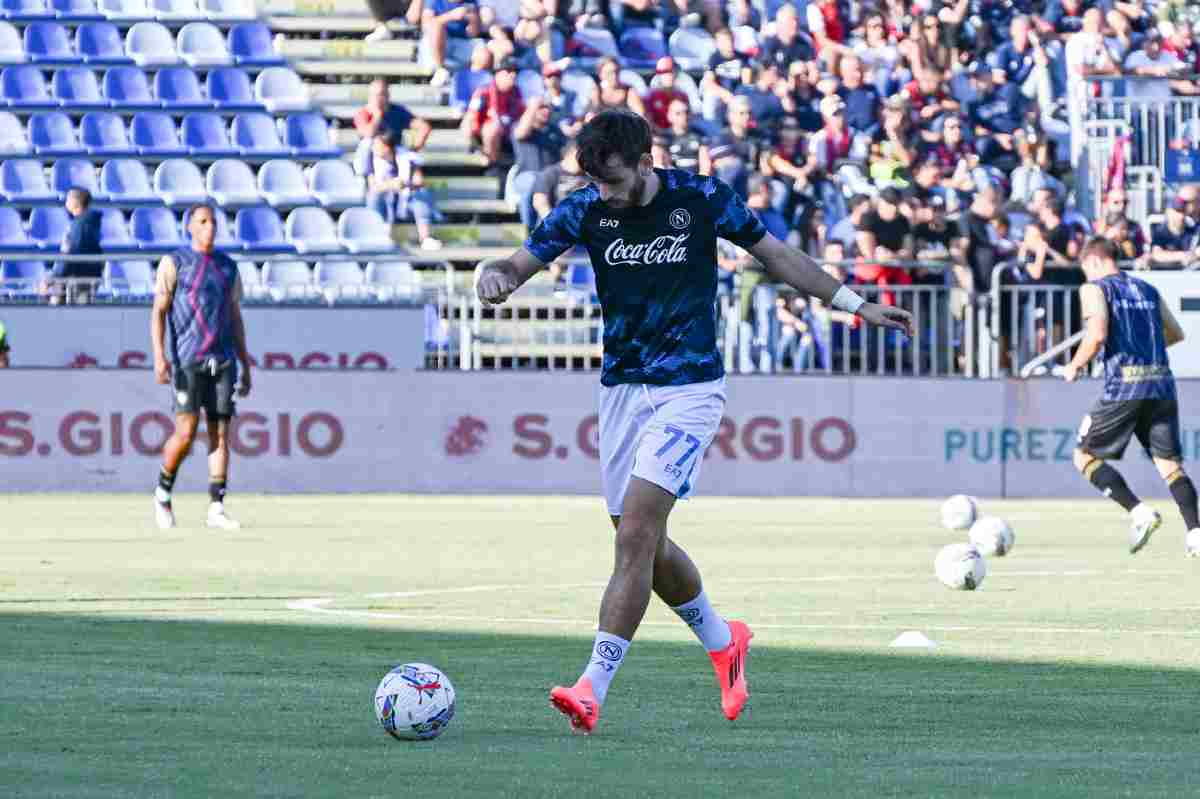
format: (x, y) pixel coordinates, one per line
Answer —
(609, 133)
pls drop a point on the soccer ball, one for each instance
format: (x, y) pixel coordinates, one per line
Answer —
(992, 536)
(960, 566)
(958, 512)
(414, 702)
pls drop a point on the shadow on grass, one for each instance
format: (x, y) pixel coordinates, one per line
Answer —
(143, 707)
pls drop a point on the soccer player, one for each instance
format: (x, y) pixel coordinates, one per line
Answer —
(199, 339)
(651, 235)
(1128, 321)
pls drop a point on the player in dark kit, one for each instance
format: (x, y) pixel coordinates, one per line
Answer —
(199, 339)
(652, 235)
(1128, 321)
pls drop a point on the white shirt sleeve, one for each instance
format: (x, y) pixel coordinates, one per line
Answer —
(816, 22)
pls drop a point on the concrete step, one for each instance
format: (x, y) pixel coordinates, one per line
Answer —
(443, 114)
(314, 8)
(468, 236)
(445, 148)
(355, 94)
(463, 188)
(348, 26)
(343, 49)
(322, 67)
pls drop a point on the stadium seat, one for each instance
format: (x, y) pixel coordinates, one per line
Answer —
(100, 43)
(127, 88)
(73, 173)
(150, 44)
(179, 182)
(24, 86)
(312, 230)
(124, 9)
(114, 233)
(128, 278)
(281, 183)
(257, 136)
(12, 49)
(22, 278)
(466, 83)
(593, 43)
(340, 279)
(13, 140)
(75, 10)
(206, 134)
(252, 285)
(582, 85)
(280, 89)
(307, 135)
(48, 224)
(155, 228)
(224, 239)
(228, 10)
(287, 279)
(103, 133)
(24, 10)
(261, 230)
(230, 88)
(178, 89)
(154, 133)
(48, 43)
(641, 47)
(24, 180)
(12, 232)
(393, 280)
(77, 87)
(684, 83)
(200, 44)
(692, 48)
(231, 182)
(363, 230)
(175, 10)
(53, 133)
(335, 185)
(124, 181)
(252, 45)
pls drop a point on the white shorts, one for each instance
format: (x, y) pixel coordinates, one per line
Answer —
(657, 433)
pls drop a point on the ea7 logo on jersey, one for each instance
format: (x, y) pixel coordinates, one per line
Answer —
(609, 223)
(680, 219)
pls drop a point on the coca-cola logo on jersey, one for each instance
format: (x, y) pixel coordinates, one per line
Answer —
(662, 250)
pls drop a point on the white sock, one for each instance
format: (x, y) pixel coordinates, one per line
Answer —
(705, 622)
(161, 495)
(608, 652)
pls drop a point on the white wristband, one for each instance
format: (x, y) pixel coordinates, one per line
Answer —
(846, 300)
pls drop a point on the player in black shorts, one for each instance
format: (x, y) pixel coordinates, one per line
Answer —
(1129, 323)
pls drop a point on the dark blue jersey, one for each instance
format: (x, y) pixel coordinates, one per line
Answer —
(1135, 352)
(656, 273)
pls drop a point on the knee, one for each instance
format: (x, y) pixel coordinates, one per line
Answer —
(1083, 459)
(638, 538)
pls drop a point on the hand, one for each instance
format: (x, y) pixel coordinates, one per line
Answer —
(162, 371)
(1070, 372)
(888, 316)
(494, 285)
(244, 383)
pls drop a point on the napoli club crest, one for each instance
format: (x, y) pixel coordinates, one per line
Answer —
(680, 219)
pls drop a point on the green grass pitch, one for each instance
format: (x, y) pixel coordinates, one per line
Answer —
(196, 663)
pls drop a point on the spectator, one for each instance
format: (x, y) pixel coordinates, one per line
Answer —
(894, 145)
(537, 143)
(733, 153)
(5, 347)
(924, 48)
(759, 201)
(526, 39)
(556, 181)
(385, 10)
(1119, 230)
(786, 47)
(845, 231)
(799, 96)
(493, 111)
(1173, 242)
(679, 146)
(82, 238)
(759, 87)
(562, 101)
(396, 188)
(723, 76)
(611, 93)
(788, 163)
(830, 146)
(1152, 61)
(933, 238)
(886, 228)
(862, 100)
(443, 23)
(1179, 40)
(1061, 239)
(927, 98)
(1064, 16)
(1086, 55)
(978, 256)
(663, 94)
(928, 178)
(879, 56)
(1025, 62)
(996, 113)
(1114, 208)
(828, 28)
(380, 114)
(1030, 175)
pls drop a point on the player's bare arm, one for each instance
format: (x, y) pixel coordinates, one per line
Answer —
(239, 341)
(1172, 330)
(1095, 311)
(802, 273)
(497, 279)
(164, 295)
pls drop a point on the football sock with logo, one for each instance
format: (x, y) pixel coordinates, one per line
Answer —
(1184, 492)
(166, 483)
(608, 653)
(705, 622)
(1111, 484)
(216, 489)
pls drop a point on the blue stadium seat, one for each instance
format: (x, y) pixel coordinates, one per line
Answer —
(25, 87)
(127, 88)
(100, 43)
(312, 230)
(12, 231)
(75, 10)
(281, 89)
(128, 279)
(252, 285)
(175, 10)
(114, 232)
(340, 279)
(73, 173)
(287, 279)
(154, 133)
(363, 230)
(252, 45)
(53, 133)
(48, 43)
(206, 134)
(150, 44)
(260, 229)
(466, 83)
(13, 140)
(124, 9)
(12, 49)
(24, 180)
(692, 48)
(104, 133)
(641, 47)
(155, 228)
(229, 88)
(22, 278)
(200, 44)
(256, 135)
(393, 279)
(124, 181)
(48, 224)
(24, 10)
(77, 87)
(179, 182)
(231, 182)
(228, 10)
(593, 43)
(307, 135)
(178, 88)
(334, 184)
(281, 183)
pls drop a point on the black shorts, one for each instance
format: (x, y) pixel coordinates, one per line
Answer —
(205, 386)
(1105, 432)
